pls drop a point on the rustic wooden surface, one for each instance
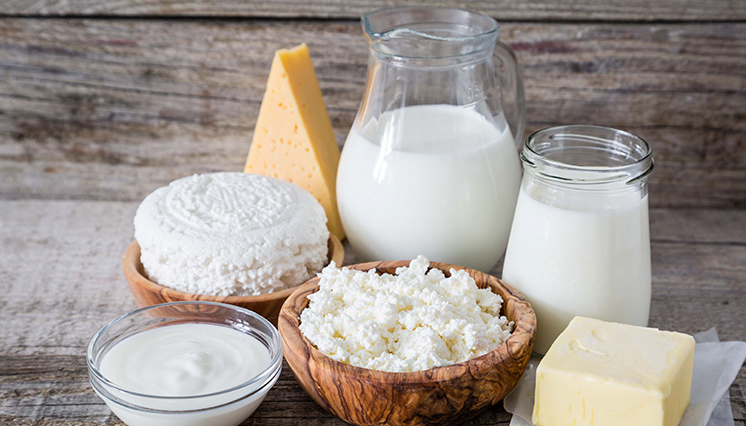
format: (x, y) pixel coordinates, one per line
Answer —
(112, 109)
(445, 395)
(626, 10)
(103, 101)
(61, 280)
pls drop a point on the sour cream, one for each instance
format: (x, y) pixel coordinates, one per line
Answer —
(185, 360)
(190, 374)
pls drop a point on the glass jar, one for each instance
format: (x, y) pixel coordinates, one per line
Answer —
(580, 239)
(430, 165)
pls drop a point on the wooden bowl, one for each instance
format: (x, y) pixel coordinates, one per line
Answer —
(443, 395)
(148, 293)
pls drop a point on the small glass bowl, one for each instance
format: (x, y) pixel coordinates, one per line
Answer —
(229, 407)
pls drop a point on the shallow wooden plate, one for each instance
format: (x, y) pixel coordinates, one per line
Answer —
(147, 292)
(444, 395)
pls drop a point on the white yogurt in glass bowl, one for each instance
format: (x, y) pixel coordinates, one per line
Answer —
(185, 363)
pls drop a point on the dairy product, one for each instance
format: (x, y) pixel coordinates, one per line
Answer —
(584, 254)
(438, 180)
(187, 375)
(293, 138)
(184, 360)
(607, 374)
(231, 234)
(414, 320)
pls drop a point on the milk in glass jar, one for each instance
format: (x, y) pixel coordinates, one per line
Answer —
(580, 242)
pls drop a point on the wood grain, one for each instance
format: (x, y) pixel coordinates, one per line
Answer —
(54, 390)
(112, 109)
(147, 292)
(61, 280)
(108, 109)
(613, 10)
(440, 396)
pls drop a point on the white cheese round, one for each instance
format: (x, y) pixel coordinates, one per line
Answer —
(231, 234)
(414, 320)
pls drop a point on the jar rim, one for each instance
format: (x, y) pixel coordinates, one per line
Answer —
(588, 154)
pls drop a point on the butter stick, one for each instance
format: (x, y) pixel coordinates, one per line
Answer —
(606, 374)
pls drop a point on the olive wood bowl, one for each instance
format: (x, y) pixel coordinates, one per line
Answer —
(147, 292)
(443, 395)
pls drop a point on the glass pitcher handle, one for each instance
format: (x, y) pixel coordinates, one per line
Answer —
(512, 95)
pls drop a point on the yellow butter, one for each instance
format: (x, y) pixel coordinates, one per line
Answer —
(606, 374)
(293, 138)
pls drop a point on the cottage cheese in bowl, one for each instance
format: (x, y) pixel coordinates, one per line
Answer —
(415, 320)
(231, 234)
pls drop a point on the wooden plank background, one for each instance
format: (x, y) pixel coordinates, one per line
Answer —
(103, 101)
(111, 109)
(617, 10)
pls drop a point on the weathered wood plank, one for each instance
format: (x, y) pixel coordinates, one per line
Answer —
(696, 253)
(55, 390)
(60, 281)
(614, 10)
(109, 109)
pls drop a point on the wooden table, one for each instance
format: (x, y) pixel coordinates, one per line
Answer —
(102, 102)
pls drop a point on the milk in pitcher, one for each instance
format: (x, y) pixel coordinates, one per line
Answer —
(436, 180)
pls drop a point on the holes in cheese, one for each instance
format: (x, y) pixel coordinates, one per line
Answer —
(297, 135)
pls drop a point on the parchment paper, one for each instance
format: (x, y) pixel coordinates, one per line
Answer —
(716, 365)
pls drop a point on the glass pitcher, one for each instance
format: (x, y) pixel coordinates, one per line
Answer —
(430, 165)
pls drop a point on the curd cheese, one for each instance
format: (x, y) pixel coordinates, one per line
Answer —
(414, 320)
(231, 234)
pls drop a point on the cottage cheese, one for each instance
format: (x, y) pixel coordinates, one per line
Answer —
(414, 320)
(231, 234)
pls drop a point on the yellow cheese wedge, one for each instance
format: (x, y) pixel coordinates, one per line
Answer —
(606, 374)
(293, 139)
